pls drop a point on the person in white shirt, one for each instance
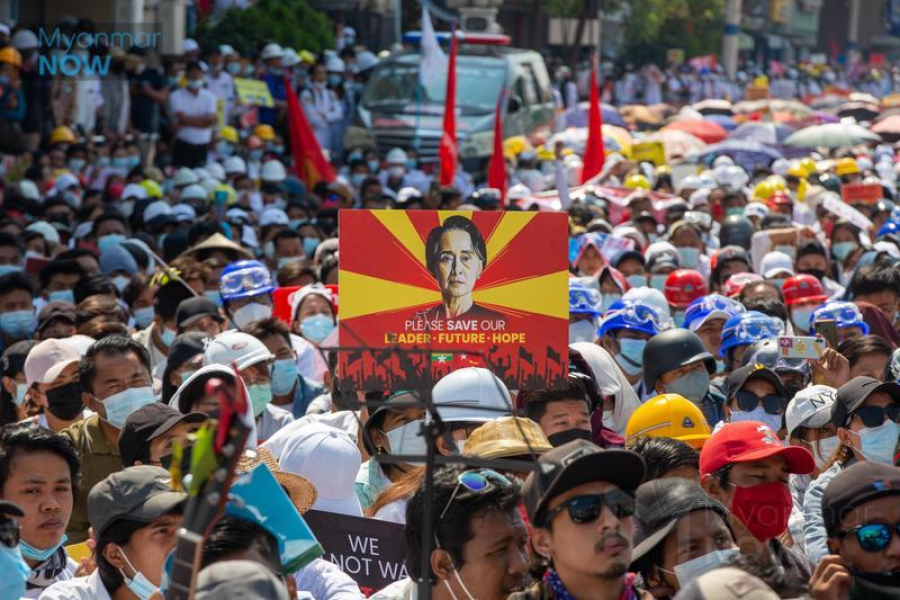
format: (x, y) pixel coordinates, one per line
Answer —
(323, 107)
(193, 112)
(220, 83)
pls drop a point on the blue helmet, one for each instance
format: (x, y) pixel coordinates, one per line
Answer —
(745, 328)
(583, 300)
(713, 306)
(634, 316)
(889, 227)
(245, 278)
(844, 314)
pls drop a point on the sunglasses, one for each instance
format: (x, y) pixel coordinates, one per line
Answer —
(586, 509)
(476, 481)
(873, 537)
(9, 532)
(873, 416)
(772, 403)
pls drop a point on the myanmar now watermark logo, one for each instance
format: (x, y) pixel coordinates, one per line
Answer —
(91, 55)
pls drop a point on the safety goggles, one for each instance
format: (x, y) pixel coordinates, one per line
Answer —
(845, 314)
(9, 532)
(245, 279)
(772, 403)
(476, 481)
(873, 537)
(635, 313)
(710, 304)
(751, 330)
(584, 300)
(873, 416)
(587, 509)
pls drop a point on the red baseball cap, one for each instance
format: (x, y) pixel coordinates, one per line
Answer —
(748, 441)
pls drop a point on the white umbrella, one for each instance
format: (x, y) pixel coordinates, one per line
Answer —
(831, 135)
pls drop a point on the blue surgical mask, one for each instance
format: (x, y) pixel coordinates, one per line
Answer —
(233, 68)
(225, 148)
(277, 149)
(582, 331)
(213, 295)
(260, 396)
(194, 84)
(842, 249)
(32, 553)
(353, 157)
(407, 439)
(316, 328)
(284, 376)
(678, 318)
(631, 355)
(693, 386)
(879, 443)
(256, 154)
(608, 300)
(119, 406)
(76, 164)
(18, 324)
(334, 80)
(14, 572)
(61, 296)
(108, 241)
(4, 269)
(802, 316)
(167, 336)
(357, 179)
(120, 162)
(734, 211)
(309, 245)
(689, 257)
(140, 586)
(374, 165)
(285, 260)
(103, 161)
(134, 160)
(121, 282)
(658, 282)
(21, 390)
(143, 316)
(690, 570)
(757, 414)
(411, 164)
(637, 280)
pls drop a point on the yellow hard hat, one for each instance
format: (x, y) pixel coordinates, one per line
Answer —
(809, 165)
(797, 170)
(671, 416)
(153, 189)
(637, 181)
(778, 183)
(229, 134)
(307, 57)
(230, 193)
(62, 134)
(264, 132)
(544, 153)
(663, 170)
(11, 55)
(763, 190)
(846, 166)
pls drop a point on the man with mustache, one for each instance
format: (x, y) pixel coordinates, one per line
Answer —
(580, 504)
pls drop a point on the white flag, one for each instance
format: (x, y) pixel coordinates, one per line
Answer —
(433, 67)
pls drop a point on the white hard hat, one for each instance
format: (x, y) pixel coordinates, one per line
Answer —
(691, 182)
(289, 58)
(226, 50)
(723, 160)
(29, 189)
(201, 173)
(24, 39)
(235, 164)
(193, 192)
(209, 184)
(272, 51)
(517, 192)
(273, 171)
(185, 176)
(46, 231)
(190, 45)
(184, 212)
(652, 297)
(237, 348)
(272, 215)
(215, 171)
(471, 394)
(396, 157)
(334, 65)
(365, 60)
(781, 166)
(133, 190)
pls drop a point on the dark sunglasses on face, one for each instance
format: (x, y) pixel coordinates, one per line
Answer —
(587, 508)
(873, 537)
(772, 403)
(873, 416)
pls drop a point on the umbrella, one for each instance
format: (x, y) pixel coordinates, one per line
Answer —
(678, 144)
(748, 154)
(831, 135)
(615, 139)
(713, 106)
(861, 111)
(863, 97)
(751, 106)
(707, 131)
(830, 100)
(639, 114)
(724, 120)
(578, 116)
(761, 132)
(888, 129)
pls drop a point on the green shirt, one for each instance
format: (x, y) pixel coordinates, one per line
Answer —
(99, 459)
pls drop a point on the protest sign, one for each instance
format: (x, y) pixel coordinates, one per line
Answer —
(654, 152)
(425, 292)
(835, 206)
(253, 91)
(371, 551)
(675, 56)
(868, 193)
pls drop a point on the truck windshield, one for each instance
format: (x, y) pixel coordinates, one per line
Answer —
(396, 86)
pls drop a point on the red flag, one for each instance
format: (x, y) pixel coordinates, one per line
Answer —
(496, 174)
(449, 149)
(309, 162)
(593, 153)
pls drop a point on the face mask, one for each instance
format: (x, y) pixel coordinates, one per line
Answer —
(213, 295)
(62, 296)
(564, 437)
(277, 149)
(608, 420)
(309, 246)
(103, 161)
(823, 450)
(134, 160)
(631, 356)
(251, 312)
(842, 249)
(637, 280)
(284, 260)
(167, 336)
(256, 154)
(692, 386)
(260, 396)
(119, 406)
(21, 390)
(108, 241)
(689, 257)
(316, 328)
(65, 401)
(396, 172)
(233, 68)
(353, 157)
(734, 211)
(678, 318)
(18, 324)
(690, 570)
(608, 300)
(121, 282)
(817, 273)
(764, 509)
(357, 179)
(269, 250)
(407, 439)
(878, 443)
(140, 586)
(658, 282)
(77, 164)
(120, 162)
(582, 331)
(789, 250)
(14, 572)
(32, 553)
(194, 84)
(225, 148)
(374, 165)
(72, 198)
(4, 269)
(334, 80)
(143, 316)
(801, 318)
(757, 414)
(284, 376)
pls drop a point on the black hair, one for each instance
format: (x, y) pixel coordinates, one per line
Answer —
(453, 529)
(810, 247)
(232, 535)
(114, 345)
(767, 305)
(11, 364)
(192, 65)
(269, 327)
(536, 402)
(329, 263)
(169, 296)
(662, 455)
(108, 216)
(55, 267)
(75, 253)
(873, 279)
(458, 223)
(118, 532)
(29, 438)
(8, 239)
(286, 234)
(94, 285)
(15, 281)
(201, 230)
(855, 348)
(745, 291)
(134, 289)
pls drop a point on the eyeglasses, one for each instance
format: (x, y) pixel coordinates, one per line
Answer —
(772, 403)
(476, 481)
(873, 416)
(587, 509)
(873, 537)
(9, 532)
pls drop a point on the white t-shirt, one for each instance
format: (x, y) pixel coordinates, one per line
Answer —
(80, 588)
(66, 575)
(201, 105)
(222, 86)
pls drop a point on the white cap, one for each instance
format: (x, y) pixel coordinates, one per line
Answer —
(185, 176)
(699, 198)
(209, 184)
(810, 407)
(193, 192)
(46, 230)
(272, 172)
(65, 181)
(289, 58)
(24, 39)
(235, 347)
(396, 157)
(226, 49)
(29, 189)
(49, 358)
(471, 394)
(887, 248)
(156, 209)
(756, 209)
(408, 193)
(190, 45)
(330, 459)
(517, 192)
(691, 182)
(334, 65)
(365, 60)
(184, 212)
(201, 173)
(776, 263)
(133, 190)
(235, 164)
(4, 29)
(215, 171)
(272, 51)
(273, 216)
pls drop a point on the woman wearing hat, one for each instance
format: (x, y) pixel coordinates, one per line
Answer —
(755, 393)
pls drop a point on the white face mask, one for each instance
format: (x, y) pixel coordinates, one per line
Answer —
(407, 439)
(823, 450)
(251, 312)
(608, 420)
(694, 568)
(582, 331)
(757, 414)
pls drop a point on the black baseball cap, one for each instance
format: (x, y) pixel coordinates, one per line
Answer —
(739, 377)
(633, 254)
(857, 484)
(56, 310)
(148, 423)
(660, 503)
(573, 464)
(196, 308)
(852, 394)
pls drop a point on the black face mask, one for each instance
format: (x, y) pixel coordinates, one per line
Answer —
(817, 273)
(887, 579)
(65, 401)
(564, 437)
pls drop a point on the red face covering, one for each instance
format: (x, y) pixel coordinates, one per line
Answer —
(764, 509)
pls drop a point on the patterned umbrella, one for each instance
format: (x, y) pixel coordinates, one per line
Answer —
(761, 132)
(707, 131)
